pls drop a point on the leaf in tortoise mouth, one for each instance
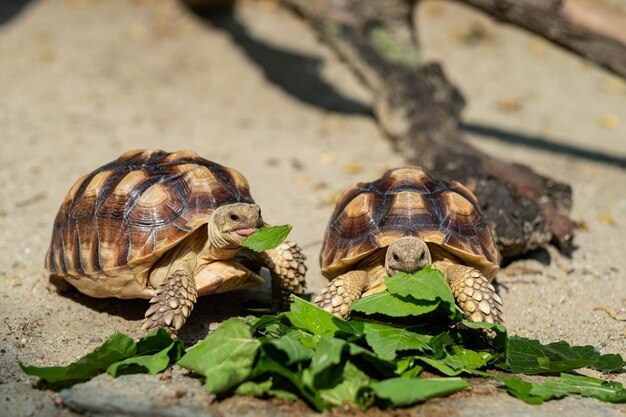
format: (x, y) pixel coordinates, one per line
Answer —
(415, 294)
(267, 238)
(425, 285)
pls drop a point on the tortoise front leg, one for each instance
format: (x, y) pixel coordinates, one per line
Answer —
(473, 292)
(286, 265)
(339, 294)
(173, 302)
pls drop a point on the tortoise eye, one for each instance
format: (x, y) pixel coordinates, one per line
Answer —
(395, 257)
(233, 217)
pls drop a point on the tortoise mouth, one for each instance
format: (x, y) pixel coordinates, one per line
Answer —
(245, 232)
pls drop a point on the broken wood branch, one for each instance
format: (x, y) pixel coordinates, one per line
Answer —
(419, 110)
(587, 29)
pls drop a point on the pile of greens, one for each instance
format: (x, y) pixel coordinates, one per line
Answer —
(402, 346)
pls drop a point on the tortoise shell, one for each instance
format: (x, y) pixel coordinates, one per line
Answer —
(408, 202)
(118, 220)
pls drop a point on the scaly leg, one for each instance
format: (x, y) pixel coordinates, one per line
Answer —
(472, 292)
(342, 291)
(172, 303)
(286, 265)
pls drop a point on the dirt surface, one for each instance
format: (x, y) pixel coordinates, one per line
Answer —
(83, 81)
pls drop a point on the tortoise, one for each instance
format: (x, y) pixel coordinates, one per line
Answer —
(167, 227)
(402, 222)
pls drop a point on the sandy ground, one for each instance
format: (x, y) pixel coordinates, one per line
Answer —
(83, 81)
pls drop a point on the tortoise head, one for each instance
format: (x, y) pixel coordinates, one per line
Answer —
(231, 224)
(407, 254)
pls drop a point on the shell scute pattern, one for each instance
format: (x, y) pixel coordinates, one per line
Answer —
(130, 211)
(405, 202)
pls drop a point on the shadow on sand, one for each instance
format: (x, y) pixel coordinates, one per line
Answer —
(297, 74)
(538, 142)
(10, 9)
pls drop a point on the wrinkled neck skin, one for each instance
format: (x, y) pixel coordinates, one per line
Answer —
(191, 255)
(218, 248)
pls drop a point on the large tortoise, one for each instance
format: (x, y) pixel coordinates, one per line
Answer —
(167, 227)
(402, 222)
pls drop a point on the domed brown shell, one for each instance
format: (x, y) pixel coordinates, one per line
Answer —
(408, 202)
(118, 220)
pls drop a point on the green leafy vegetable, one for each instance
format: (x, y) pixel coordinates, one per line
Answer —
(370, 362)
(116, 348)
(328, 353)
(118, 354)
(267, 237)
(307, 316)
(387, 340)
(152, 363)
(376, 358)
(267, 365)
(531, 357)
(427, 284)
(393, 306)
(155, 342)
(225, 357)
(255, 389)
(407, 367)
(154, 353)
(262, 389)
(400, 392)
(458, 360)
(292, 347)
(567, 384)
(499, 342)
(352, 381)
(414, 294)
(521, 389)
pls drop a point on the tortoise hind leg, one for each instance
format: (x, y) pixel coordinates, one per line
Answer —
(286, 265)
(473, 292)
(172, 304)
(339, 294)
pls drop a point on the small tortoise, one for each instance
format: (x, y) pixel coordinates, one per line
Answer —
(402, 222)
(168, 227)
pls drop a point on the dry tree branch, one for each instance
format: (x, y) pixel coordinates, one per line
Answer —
(419, 109)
